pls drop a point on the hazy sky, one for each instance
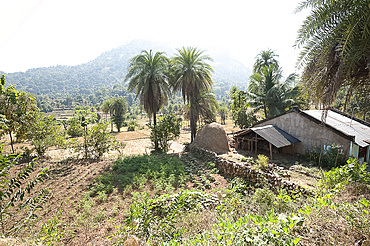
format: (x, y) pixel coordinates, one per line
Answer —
(37, 33)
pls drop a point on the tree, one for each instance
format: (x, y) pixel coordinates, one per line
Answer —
(97, 141)
(335, 38)
(18, 108)
(222, 111)
(107, 107)
(191, 74)
(44, 133)
(148, 75)
(167, 129)
(266, 92)
(239, 108)
(119, 108)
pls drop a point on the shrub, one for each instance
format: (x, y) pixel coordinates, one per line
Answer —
(262, 162)
(167, 129)
(97, 142)
(352, 171)
(329, 158)
(44, 133)
(17, 206)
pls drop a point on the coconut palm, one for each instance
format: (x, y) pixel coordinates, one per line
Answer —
(335, 38)
(265, 89)
(191, 74)
(148, 77)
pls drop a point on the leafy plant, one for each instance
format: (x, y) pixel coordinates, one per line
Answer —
(44, 133)
(262, 162)
(161, 169)
(352, 171)
(18, 205)
(98, 141)
(166, 130)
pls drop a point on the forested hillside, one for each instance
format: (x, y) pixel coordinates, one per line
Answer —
(109, 69)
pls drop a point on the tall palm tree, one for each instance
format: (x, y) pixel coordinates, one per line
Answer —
(148, 75)
(265, 58)
(191, 74)
(206, 107)
(335, 38)
(265, 89)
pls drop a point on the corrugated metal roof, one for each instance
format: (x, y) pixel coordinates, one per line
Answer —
(275, 135)
(344, 124)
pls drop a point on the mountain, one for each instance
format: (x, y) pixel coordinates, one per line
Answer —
(110, 68)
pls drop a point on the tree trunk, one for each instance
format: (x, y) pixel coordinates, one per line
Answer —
(156, 146)
(193, 122)
(111, 122)
(11, 141)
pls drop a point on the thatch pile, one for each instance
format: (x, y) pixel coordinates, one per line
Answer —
(212, 137)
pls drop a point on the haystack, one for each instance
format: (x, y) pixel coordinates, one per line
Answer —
(212, 137)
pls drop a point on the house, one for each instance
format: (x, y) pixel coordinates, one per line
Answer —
(296, 131)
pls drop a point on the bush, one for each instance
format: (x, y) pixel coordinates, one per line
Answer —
(98, 141)
(44, 133)
(352, 171)
(17, 206)
(167, 129)
(329, 158)
(262, 162)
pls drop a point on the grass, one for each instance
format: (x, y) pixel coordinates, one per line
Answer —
(166, 200)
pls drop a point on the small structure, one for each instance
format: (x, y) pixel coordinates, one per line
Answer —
(352, 134)
(265, 137)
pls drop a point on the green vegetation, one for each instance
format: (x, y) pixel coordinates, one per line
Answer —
(148, 75)
(18, 206)
(167, 129)
(265, 91)
(191, 74)
(335, 39)
(164, 199)
(18, 108)
(163, 171)
(44, 133)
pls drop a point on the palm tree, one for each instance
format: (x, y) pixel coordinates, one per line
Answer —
(335, 38)
(148, 77)
(265, 89)
(191, 74)
(206, 107)
(265, 58)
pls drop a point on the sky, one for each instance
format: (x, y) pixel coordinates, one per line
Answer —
(42, 33)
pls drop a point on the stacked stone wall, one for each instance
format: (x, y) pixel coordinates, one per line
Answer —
(245, 170)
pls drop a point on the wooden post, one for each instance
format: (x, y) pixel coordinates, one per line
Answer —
(256, 145)
(270, 151)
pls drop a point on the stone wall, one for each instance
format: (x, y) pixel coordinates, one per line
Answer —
(246, 171)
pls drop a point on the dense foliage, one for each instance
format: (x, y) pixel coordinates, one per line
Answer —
(266, 91)
(336, 53)
(166, 130)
